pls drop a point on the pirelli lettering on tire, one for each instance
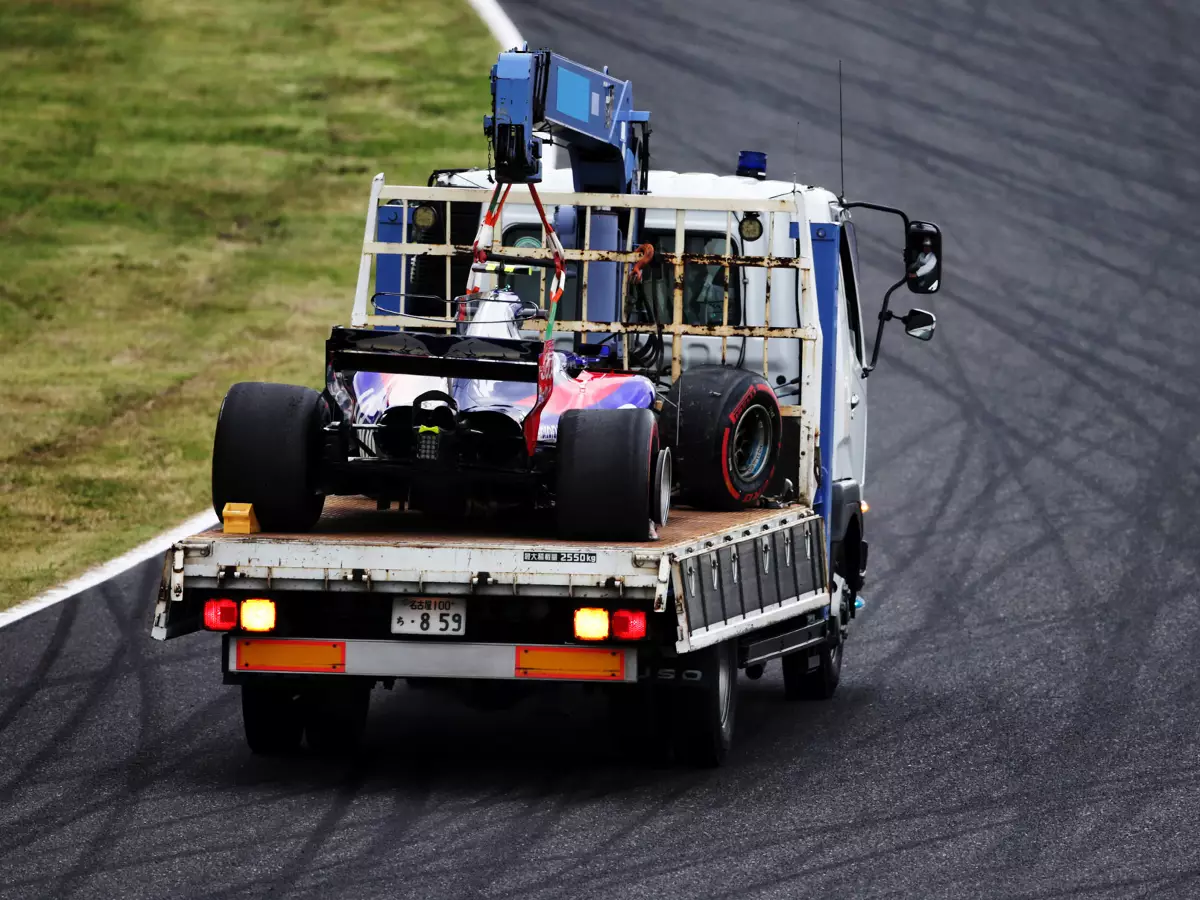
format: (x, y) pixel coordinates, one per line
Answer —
(560, 556)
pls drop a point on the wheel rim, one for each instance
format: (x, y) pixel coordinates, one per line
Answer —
(663, 500)
(753, 438)
(724, 687)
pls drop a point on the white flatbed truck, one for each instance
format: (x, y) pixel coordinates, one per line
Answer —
(380, 590)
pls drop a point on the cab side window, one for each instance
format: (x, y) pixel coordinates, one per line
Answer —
(849, 285)
(703, 286)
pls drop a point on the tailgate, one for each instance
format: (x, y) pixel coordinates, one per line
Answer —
(273, 564)
(756, 577)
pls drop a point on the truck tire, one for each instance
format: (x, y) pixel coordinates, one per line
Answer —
(271, 717)
(335, 716)
(704, 714)
(264, 452)
(724, 429)
(605, 477)
(802, 683)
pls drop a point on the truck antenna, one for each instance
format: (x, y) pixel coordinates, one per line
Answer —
(796, 157)
(841, 135)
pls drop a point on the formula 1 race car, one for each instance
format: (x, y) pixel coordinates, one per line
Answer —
(485, 419)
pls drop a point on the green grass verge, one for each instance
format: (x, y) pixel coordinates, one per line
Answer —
(182, 185)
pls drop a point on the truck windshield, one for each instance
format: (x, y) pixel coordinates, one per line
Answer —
(529, 287)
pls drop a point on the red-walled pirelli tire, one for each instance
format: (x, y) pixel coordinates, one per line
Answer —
(264, 451)
(724, 430)
(606, 460)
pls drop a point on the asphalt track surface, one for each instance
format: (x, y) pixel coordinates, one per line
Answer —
(1018, 714)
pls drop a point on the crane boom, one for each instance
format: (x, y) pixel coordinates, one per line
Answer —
(588, 112)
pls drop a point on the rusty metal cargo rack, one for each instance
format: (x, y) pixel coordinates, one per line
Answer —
(807, 331)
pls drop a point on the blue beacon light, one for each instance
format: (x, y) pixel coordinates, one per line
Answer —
(752, 164)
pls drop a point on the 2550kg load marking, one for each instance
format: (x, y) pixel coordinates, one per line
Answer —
(556, 556)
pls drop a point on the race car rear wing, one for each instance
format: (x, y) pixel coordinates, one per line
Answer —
(440, 355)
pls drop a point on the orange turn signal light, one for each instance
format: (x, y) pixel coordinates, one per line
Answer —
(591, 624)
(258, 614)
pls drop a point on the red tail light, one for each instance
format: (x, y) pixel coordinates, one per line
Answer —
(220, 615)
(628, 625)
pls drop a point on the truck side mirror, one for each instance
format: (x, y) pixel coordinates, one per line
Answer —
(919, 324)
(923, 257)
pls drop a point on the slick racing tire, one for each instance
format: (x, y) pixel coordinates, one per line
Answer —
(724, 430)
(264, 453)
(605, 479)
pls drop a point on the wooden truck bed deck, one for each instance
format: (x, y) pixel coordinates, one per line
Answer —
(356, 519)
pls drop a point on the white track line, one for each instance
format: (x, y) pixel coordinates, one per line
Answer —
(498, 23)
(507, 36)
(100, 574)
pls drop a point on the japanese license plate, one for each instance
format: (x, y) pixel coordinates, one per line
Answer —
(428, 615)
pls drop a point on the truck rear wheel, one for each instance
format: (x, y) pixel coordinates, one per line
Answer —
(335, 716)
(724, 429)
(605, 479)
(704, 714)
(264, 452)
(271, 717)
(801, 681)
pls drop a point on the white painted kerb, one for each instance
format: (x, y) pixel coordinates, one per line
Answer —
(100, 574)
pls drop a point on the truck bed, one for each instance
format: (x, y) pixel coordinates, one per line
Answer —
(356, 520)
(723, 573)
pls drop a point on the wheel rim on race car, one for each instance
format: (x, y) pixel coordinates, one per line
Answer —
(753, 439)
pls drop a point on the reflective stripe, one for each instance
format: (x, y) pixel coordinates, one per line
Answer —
(445, 659)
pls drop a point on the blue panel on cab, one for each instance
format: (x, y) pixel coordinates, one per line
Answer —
(825, 274)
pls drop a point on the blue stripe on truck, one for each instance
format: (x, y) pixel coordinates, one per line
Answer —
(825, 243)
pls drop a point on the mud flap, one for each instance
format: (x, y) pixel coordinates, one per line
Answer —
(175, 614)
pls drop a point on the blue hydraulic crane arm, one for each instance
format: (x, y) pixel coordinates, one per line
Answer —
(590, 113)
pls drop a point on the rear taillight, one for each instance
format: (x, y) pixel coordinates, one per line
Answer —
(220, 615)
(628, 625)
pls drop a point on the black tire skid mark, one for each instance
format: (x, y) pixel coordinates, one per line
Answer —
(643, 820)
(1101, 742)
(944, 603)
(656, 859)
(89, 797)
(67, 613)
(1093, 693)
(1015, 79)
(93, 854)
(323, 829)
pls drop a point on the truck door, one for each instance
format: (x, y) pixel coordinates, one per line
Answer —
(851, 349)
